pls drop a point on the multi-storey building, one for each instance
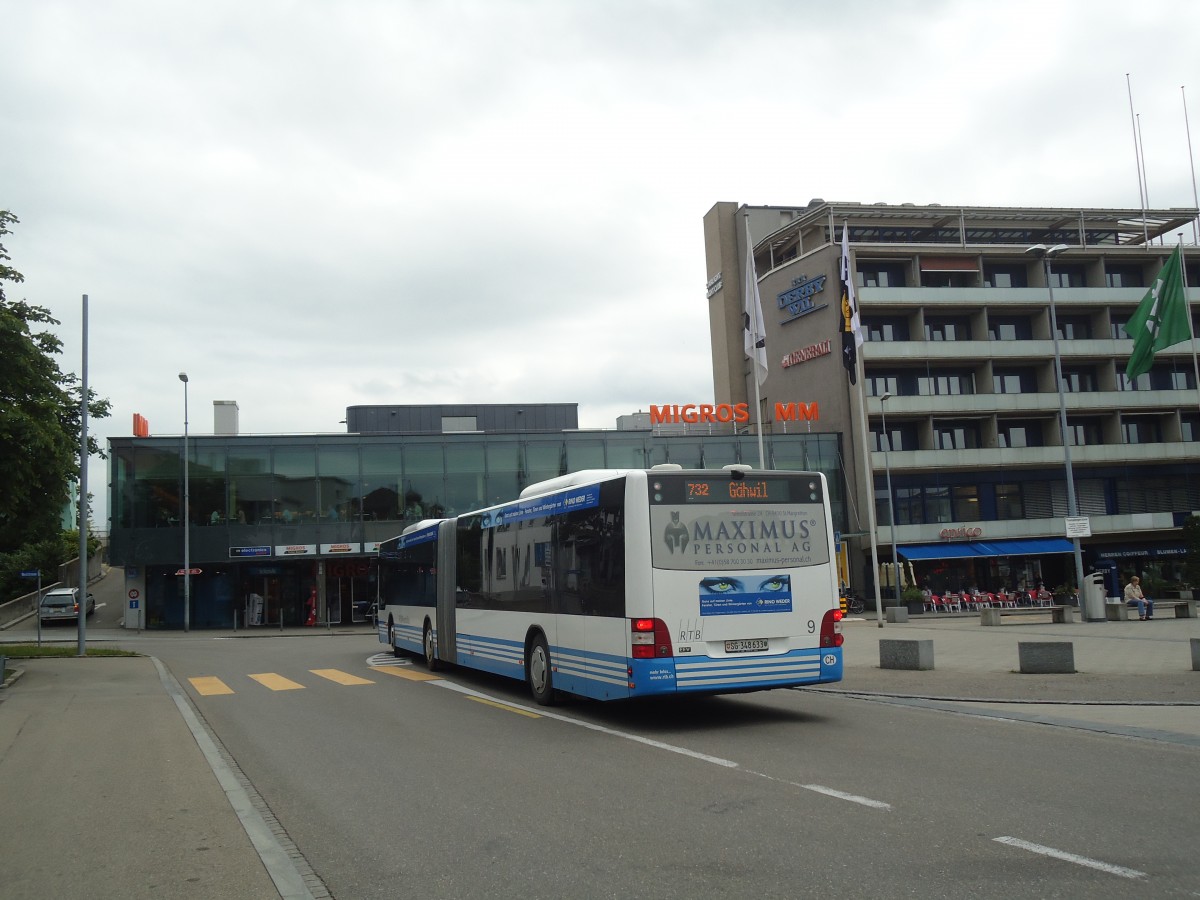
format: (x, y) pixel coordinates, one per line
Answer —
(959, 356)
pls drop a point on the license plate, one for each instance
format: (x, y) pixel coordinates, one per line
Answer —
(748, 645)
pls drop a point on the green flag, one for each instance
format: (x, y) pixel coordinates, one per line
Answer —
(1161, 319)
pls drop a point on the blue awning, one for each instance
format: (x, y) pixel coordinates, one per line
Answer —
(964, 549)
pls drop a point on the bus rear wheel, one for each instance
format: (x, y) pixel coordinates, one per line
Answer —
(392, 639)
(538, 673)
(431, 661)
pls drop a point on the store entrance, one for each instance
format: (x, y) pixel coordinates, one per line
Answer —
(349, 591)
(270, 597)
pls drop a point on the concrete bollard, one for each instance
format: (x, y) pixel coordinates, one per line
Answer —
(896, 614)
(1046, 657)
(906, 654)
(1195, 654)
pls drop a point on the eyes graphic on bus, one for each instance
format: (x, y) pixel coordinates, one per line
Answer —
(675, 534)
(773, 584)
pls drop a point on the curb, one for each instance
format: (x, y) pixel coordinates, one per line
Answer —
(13, 677)
(847, 692)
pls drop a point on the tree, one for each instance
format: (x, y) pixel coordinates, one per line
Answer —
(39, 418)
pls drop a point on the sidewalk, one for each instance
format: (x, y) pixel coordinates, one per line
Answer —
(1116, 662)
(105, 791)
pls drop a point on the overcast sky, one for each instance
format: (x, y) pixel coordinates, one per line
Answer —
(311, 205)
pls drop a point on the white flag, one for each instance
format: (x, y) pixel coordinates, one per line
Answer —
(752, 317)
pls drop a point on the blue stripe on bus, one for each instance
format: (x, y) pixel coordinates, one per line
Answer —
(603, 675)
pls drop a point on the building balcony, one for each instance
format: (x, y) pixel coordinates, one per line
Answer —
(1046, 402)
(908, 461)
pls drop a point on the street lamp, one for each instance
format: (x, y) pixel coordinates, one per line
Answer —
(887, 470)
(1045, 254)
(187, 520)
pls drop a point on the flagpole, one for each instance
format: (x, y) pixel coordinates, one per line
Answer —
(1192, 163)
(752, 275)
(1137, 159)
(869, 480)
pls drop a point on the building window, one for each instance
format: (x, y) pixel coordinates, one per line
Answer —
(1118, 275)
(1008, 502)
(878, 385)
(879, 274)
(1141, 430)
(1074, 328)
(947, 328)
(1009, 328)
(1068, 275)
(1085, 432)
(1014, 381)
(885, 328)
(1078, 381)
(949, 279)
(458, 423)
(901, 436)
(966, 503)
(948, 384)
(956, 435)
(1004, 276)
(1026, 434)
(1190, 427)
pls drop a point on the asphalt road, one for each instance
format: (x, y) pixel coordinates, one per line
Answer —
(461, 787)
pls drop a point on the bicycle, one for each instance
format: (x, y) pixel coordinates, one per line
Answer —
(855, 604)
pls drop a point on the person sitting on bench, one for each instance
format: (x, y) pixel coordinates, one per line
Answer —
(1135, 597)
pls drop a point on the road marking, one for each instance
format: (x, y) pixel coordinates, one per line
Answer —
(277, 682)
(650, 742)
(387, 659)
(827, 791)
(410, 674)
(340, 677)
(506, 707)
(210, 686)
(1071, 858)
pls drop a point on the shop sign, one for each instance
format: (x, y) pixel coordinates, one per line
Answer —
(714, 285)
(812, 351)
(244, 552)
(799, 300)
(333, 549)
(723, 413)
(949, 534)
(296, 550)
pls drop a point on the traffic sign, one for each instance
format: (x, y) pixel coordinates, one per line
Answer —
(31, 573)
(188, 572)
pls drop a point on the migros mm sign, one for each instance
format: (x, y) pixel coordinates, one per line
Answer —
(724, 413)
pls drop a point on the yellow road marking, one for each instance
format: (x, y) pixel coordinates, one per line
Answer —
(277, 682)
(410, 674)
(210, 686)
(512, 709)
(340, 677)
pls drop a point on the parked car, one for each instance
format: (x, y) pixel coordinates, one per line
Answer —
(62, 605)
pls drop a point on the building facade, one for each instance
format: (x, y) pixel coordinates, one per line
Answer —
(276, 522)
(959, 356)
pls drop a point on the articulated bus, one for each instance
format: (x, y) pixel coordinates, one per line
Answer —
(613, 584)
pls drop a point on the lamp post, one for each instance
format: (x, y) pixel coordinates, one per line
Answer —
(187, 519)
(1045, 254)
(887, 471)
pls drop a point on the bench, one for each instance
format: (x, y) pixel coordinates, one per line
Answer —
(1123, 612)
(1059, 614)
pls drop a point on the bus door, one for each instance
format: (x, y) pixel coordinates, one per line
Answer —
(447, 593)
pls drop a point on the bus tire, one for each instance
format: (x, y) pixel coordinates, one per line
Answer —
(538, 673)
(431, 661)
(392, 640)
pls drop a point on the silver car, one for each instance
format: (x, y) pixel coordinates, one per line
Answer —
(62, 605)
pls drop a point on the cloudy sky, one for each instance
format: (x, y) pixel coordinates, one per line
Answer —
(309, 205)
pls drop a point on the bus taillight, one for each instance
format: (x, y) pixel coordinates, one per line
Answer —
(650, 637)
(831, 629)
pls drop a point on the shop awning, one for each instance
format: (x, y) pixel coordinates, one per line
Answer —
(961, 549)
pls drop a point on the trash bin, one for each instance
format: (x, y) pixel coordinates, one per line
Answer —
(1094, 597)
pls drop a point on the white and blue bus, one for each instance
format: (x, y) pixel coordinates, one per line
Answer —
(626, 583)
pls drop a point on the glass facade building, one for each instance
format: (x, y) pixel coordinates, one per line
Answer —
(279, 521)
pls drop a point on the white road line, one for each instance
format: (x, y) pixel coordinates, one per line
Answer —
(1071, 858)
(672, 748)
(827, 791)
(682, 751)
